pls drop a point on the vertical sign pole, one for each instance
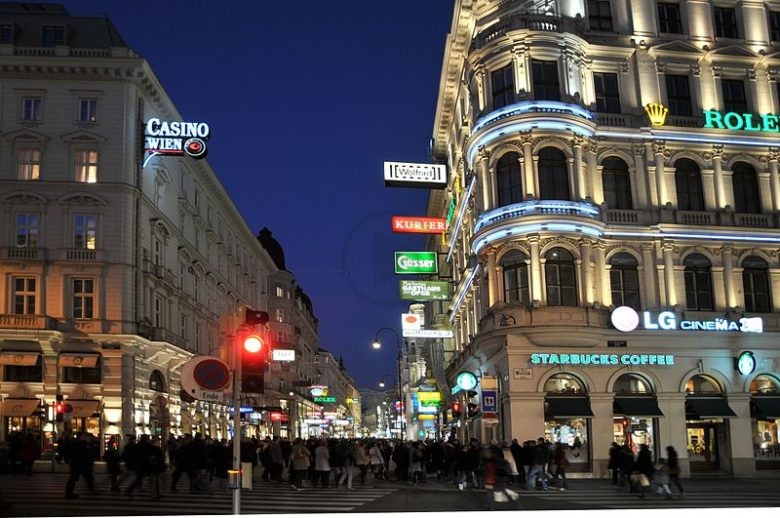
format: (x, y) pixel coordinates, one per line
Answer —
(236, 423)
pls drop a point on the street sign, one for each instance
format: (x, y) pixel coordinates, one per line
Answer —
(428, 333)
(403, 174)
(489, 404)
(206, 378)
(409, 263)
(283, 355)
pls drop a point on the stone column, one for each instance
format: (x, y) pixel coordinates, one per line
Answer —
(728, 276)
(485, 182)
(659, 149)
(648, 291)
(492, 280)
(587, 283)
(479, 73)
(602, 269)
(740, 433)
(671, 292)
(537, 293)
(774, 181)
(601, 432)
(639, 179)
(526, 415)
(529, 167)
(671, 428)
(578, 179)
(717, 168)
(593, 182)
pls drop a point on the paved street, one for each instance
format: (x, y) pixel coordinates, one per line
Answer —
(42, 495)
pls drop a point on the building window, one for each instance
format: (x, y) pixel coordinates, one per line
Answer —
(503, 84)
(6, 34)
(280, 292)
(678, 95)
(90, 375)
(616, 184)
(726, 22)
(279, 315)
(29, 161)
(669, 19)
(24, 373)
(84, 231)
(545, 80)
(83, 298)
(755, 285)
(698, 283)
(687, 178)
(52, 35)
(774, 25)
(509, 179)
(515, 266)
(734, 99)
(624, 280)
(24, 296)
(553, 175)
(87, 110)
(744, 181)
(86, 165)
(26, 230)
(607, 93)
(560, 278)
(158, 312)
(600, 15)
(156, 381)
(31, 108)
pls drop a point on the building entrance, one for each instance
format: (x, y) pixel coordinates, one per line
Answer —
(703, 446)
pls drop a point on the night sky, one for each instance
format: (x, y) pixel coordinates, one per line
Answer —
(306, 99)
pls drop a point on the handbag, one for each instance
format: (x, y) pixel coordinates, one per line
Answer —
(643, 480)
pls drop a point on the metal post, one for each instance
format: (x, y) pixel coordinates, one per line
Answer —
(236, 424)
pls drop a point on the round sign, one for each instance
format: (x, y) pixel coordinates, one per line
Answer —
(211, 374)
(625, 319)
(466, 380)
(746, 363)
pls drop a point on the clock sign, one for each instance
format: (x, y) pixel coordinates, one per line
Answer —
(746, 363)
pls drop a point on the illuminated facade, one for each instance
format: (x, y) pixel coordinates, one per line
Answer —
(605, 154)
(114, 270)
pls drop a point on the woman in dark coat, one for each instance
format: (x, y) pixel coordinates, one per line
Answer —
(644, 465)
(673, 464)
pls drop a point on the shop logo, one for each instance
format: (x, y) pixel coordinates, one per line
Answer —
(626, 319)
(656, 112)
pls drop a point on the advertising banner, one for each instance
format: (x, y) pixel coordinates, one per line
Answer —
(419, 225)
(416, 262)
(428, 333)
(428, 176)
(425, 290)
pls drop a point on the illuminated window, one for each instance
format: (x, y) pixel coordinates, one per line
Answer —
(726, 22)
(560, 277)
(678, 95)
(156, 381)
(503, 86)
(632, 384)
(31, 108)
(600, 15)
(564, 384)
(607, 93)
(545, 80)
(700, 384)
(687, 178)
(83, 298)
(624, 280)
(616, 184)
(509, 179)
(280, 292)
(669, 19)
(744, 181)
(26, 230)
(29, 163)
(279, 315)
(52, 35)
(86, 165)
(87, 110)
(774, 25)
(553, 175)
(765, 384)
(755, 285)
(84, 231)
(734, 99)
(698, 283)
(515, 267)
(24, 296)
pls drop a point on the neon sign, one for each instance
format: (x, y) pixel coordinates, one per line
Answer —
(601, 359)
(626, 319)
(768, 122)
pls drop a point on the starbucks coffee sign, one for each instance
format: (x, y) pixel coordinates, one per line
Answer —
(416, 262)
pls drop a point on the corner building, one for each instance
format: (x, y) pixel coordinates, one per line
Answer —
(590, 169)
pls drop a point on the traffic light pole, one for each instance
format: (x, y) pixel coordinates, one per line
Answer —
(236, 424)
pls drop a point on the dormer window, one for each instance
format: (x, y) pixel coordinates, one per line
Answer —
(6, 34)
(52, 36)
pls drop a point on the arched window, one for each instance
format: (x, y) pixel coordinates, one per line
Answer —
(633, 384)
(764, 384)
(745, 184)
(755, 285)
(700, 384)
(553, 175)
(515, 268)
(564, 384)
(560, 277)
(687, 178)
(624, 279)
(509, 179)
(617, 185)
(156, 381)
(698, 283)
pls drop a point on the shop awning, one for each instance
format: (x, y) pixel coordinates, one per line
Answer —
(567, 407)
(83, 407)
(636, 406)
(705, 408)
(78, 360)
(26, 359)
(765, 407)
(20, 407)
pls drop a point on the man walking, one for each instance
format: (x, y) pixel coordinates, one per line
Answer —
(541, 455)
(81, 463)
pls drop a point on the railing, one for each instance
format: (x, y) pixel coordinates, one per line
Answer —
(24, 322)
(161, 272)
(618, 120)
(533, 22)
(81, 254)
(622, 216)
(160, 334)
(24, 254)
(535, 207)
(753, 220)
(34, 51)
(690, 217)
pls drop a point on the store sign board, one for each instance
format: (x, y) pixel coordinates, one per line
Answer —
(428, 333)
(283, 355)
(626, 319)
(411, 263)
(425, 290)
(176, 138)
(767, 123)
(428, 176)
(601, 359)
(419, 225)
(324, 399)
(746, 363)
(410, 322)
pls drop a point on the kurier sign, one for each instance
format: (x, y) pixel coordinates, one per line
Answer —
(425, 290)
(416, 262)
(626, 319)
(429, 176)
(419, 225)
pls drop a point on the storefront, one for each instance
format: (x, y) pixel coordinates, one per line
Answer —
(765, 414)
(635, 410)
(21, 415)
(567, 414)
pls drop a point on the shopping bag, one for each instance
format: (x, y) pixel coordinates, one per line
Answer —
(643, 480)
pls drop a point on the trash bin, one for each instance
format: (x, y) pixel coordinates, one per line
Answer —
(234, 479)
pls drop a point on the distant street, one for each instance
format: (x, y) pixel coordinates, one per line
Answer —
(43, 495)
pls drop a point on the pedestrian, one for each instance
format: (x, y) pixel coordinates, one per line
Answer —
(541, 455)
(376, 462)
(113, 468)
(149, 462)
(511, 465)
(627, 468)
(517, 455)
(644, 467)
(527, 459)
(560, 464)
(362, 461)
(81, 463)
(415, 462)
(277, 460)
(614, 462)
(299, 464)
(661, 479)
(184, 461)
(673, 463)
(322, 464)
(29, 452)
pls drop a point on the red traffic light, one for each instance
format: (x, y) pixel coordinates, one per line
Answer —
(253, 344)
(456, 407)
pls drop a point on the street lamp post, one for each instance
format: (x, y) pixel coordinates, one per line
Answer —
(376, 344)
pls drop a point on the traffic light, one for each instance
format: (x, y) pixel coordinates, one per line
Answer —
(253, 355)
(253, 318)
(42, 411)
(59, 409)
(456, 410)
(472, 409)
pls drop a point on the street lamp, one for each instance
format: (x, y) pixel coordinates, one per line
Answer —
(376, 344)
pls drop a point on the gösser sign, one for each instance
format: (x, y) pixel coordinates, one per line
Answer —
(430, 176)
(626, 319)
(416, 262)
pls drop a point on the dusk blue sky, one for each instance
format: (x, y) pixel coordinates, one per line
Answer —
(306, 99)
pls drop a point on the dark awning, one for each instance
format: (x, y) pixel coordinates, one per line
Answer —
(636, 406)
(567, 407)
(765, 407)
(707, 407)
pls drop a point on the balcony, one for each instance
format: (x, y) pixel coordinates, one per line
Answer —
(40, 322)
(532, 22)
(81, 255)
(538, 207)
(162, 273)
(13, 253)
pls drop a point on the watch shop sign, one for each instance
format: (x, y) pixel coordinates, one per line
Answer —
(627, 319)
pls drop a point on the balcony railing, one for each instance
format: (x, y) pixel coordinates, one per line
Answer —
(23, 254)
(160, 334)
(25, 322)
(533, 22)
(691, 217)
(538, 207)
(81, 254)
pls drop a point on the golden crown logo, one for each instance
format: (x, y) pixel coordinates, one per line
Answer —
(656, 112)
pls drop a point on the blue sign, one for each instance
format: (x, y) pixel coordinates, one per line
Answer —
(489, 401)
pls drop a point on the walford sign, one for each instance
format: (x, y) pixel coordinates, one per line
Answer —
(416, 262)
(768, 122)
(425, 290)
(626, 319)
(430, 176)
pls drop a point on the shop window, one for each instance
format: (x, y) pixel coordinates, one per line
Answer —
(600, 15)
(632, 384)
(24, 373)
(515, 267)
(669, 19)
(678, 95)
(744, 182)
(734, 99)
(698, 283)
(624, 280)
(616, 184)
(81, 374)
(503, 86)
(564, 384)
(702, 385)
(764, 385)
(509, 179)
(553, 175)
(545, 80)
(726, 22)
(156, 381)
(755, 285)
(764, 406)
(687, 179)
(607, 93)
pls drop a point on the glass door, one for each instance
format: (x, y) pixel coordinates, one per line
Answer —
(703, 446)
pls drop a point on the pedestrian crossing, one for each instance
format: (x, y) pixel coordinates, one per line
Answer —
(44, 495)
